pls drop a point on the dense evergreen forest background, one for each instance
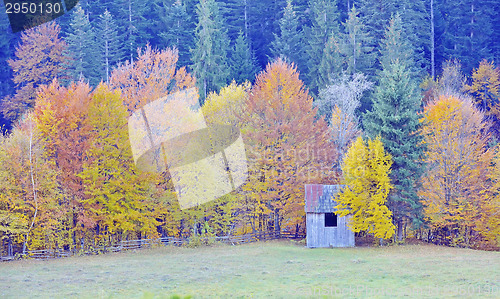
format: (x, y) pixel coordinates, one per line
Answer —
(245, 35)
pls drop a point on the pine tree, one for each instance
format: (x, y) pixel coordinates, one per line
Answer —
(82, 49)
(110, 44)
(209, 56)
(495, 37)
(394, 47)
(179, 28)
(413, 14)
(356, 45)
(468, 29)
(237, 13)
(263, 21)
(394, 117)
(288, 44)
(243, 63)
(320, 54)
(6, 51)
(375, 14)
(134, 24)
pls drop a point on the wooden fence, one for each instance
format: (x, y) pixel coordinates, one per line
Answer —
(149, 243)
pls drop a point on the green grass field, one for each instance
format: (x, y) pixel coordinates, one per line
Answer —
(275, 269)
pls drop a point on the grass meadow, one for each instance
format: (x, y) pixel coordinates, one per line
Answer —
(275, 269)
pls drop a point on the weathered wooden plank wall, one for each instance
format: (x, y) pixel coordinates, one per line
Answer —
(320, 236)
(319, 200)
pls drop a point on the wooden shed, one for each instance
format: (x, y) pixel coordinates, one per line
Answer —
(324, 228)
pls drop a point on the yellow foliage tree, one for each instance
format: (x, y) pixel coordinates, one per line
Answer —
(453, 187)
(116, 192)
(366, 176)
(226, 106)
(29, 192)
(490, 226)
(485, 88)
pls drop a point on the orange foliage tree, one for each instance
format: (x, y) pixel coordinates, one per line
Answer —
(61, 114)
(287, 148)
(152, 76)
(453, 187)
(38, 60)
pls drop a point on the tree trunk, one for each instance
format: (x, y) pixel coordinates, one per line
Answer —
(354, 55)
(276, 221)
(472, 23)
(433, 65)
(9, 246)
(400, 229)
(33, 186)
(107, 62)
(130, 31)
(82, 242)
(246, 20)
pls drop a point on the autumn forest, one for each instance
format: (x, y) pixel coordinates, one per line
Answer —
(399, 101)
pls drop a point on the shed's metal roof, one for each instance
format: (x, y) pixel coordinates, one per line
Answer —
(319, 198)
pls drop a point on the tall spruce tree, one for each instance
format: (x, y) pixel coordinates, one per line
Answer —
(109, 44)
(134, 24)
(242, 63)
(320, 54)
(495, 45)
(178, 29)
(6, 51)
(237, 13)
(288, 43)
(82, 49)
(375, 14)
(263, 19)
(468, 30)
(209, 56)
(395, 46)
(356, 47)
(394, 116)
(413, 14)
